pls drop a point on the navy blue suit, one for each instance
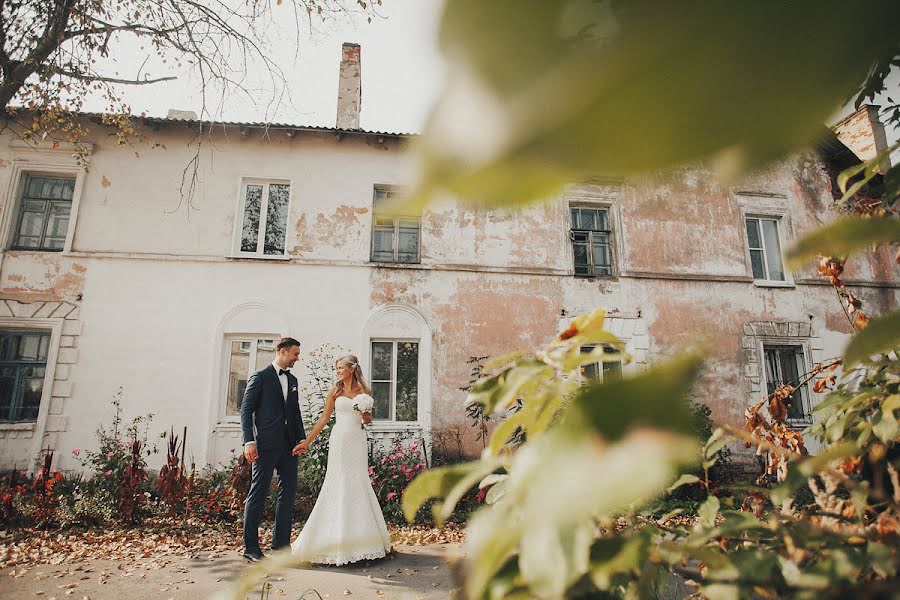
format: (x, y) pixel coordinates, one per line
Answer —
(275, 424)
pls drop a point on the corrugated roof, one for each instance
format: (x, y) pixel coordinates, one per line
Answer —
(261, 125)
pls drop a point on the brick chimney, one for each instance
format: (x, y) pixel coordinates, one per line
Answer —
(349, 99)
(864, 134)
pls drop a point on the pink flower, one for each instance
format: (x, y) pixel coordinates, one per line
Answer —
(391, 495)
(108, 473)
(109, 454)
(76, 452)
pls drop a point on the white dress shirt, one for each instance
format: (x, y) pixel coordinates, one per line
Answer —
(282, 379)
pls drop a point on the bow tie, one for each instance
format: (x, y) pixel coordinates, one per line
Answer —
(283, 372)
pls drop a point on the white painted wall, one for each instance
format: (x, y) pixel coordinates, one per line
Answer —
(147, 290)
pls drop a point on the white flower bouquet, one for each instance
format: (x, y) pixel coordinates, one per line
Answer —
(363, 403)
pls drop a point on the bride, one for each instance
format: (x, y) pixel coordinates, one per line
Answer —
(346, 524)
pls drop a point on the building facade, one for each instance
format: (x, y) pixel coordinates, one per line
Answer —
(113, 282)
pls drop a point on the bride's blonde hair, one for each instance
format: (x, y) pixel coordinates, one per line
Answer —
(357, 378)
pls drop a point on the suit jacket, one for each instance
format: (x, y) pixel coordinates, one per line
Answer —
(275, 419)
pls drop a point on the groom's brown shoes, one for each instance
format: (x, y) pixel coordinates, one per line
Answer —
(254, 556)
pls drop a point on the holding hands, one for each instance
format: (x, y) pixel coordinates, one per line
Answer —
(301, 448)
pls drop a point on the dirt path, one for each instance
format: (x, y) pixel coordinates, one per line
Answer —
(412, 572)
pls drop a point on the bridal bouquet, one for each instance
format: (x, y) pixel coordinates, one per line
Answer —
(363, 404)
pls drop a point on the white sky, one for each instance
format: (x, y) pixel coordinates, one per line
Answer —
(402, 72)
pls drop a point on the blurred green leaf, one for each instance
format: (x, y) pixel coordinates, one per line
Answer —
(686, 479)
(884, 426)
(450, 483)
(880, 336)
(656, 398)
(708, 511)
(551, 559)
(869, 169)
(843, 237)
(549, 98)
(610, 556)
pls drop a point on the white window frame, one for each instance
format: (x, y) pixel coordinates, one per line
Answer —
(805, 367)
(21, 169)
(225, 371)
(771, 207)
(38, 427)
(263, 218)
(599, 364)
(396, 236)
(393, 402)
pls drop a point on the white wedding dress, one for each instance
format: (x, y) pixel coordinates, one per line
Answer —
(346, 524)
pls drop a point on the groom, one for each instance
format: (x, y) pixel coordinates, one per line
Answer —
(271, 410)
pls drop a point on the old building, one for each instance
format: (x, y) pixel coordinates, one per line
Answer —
(110, 281)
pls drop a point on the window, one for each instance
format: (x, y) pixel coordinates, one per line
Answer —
(245, 357)
(395, 380)
(264, 213)
(23, 364)
(395, 238)
(590, 236)
(602, 371)
(784, 366)
(765, 249)
(43, 217)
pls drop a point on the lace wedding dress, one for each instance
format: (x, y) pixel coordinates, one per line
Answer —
(346, 524)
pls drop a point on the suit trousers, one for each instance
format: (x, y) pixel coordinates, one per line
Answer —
(285, 464)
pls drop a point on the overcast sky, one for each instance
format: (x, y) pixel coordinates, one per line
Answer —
(402, 73)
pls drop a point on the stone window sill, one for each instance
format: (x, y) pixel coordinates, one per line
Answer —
(765, 283)
(276, 258)
(30, 426)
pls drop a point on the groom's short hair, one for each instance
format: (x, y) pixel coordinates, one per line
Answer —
(287, 342)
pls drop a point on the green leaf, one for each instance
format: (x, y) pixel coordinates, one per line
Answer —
(869, 169)
(449, 483)
(880, 336)
(508, 426)
(708, 511)
(721, 591)
(656, 398)
(551, 559)
(611, 556)
(884, 426)
(548, 99)
(491, 536)
(686, 479)
(842, 237)
(883, 559)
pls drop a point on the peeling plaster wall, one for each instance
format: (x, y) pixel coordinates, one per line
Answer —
(149, 281)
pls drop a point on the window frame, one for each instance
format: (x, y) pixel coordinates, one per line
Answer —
(579, 202)
(39, 427)
(600, 365)
(802, 354)
(20, 171)
(761, 205)
(225, 372)
(20, 364)
(259, 253)
(777, 220)
(392, 420)
(395, 236)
